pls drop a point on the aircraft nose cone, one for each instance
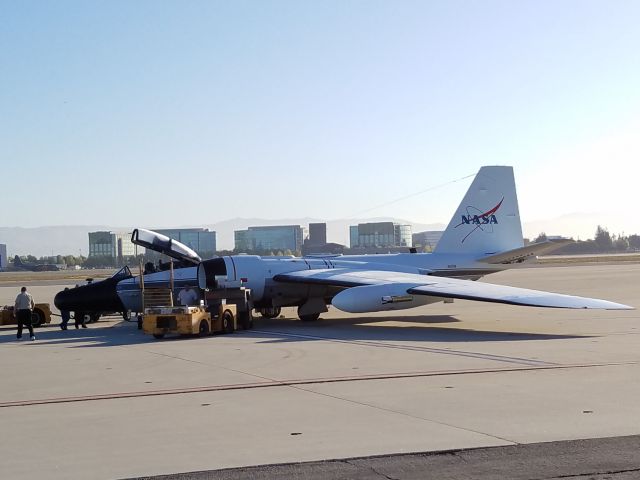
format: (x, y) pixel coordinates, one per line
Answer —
(98, 296)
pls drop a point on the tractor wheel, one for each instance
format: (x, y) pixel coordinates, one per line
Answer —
(37, 318)
(227, 321)
(203, 328)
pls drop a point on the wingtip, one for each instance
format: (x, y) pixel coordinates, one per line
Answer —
(622, 307)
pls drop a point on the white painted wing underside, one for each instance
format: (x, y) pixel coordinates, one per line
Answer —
(447, 288)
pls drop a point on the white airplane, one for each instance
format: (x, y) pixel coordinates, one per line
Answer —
(484, 236)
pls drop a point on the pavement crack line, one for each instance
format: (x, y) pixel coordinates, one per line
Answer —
(210, 365)
(590, 474)
(269, 383)
(441, 351)
(388, 477)
(405, 414)
(380, 474)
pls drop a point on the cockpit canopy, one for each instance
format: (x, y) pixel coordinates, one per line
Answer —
(122, 274)
(163, 244)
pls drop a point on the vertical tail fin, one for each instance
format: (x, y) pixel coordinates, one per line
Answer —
(487, 220)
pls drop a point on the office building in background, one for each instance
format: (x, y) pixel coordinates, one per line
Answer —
(278, 238)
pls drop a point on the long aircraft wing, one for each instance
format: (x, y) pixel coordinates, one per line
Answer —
(414, 284)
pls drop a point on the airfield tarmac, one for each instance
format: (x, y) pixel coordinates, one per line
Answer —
(110, 402)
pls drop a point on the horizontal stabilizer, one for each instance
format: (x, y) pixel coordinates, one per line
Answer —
(519, 255)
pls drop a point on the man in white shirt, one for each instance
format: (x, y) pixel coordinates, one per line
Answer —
(23, 308)
(188, 296)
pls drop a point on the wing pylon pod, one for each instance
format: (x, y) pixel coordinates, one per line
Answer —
(163, 244)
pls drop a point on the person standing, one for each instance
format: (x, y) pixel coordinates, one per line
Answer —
(188, 296)
(23, 308)
(65, 315)
(79, 319)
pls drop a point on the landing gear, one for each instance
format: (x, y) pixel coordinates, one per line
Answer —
(87, 317)
(310, 310)
(80, 317)
(270, 312)
(309, 317)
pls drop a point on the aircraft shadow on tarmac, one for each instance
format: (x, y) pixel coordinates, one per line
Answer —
(404, 329)
(287, 330)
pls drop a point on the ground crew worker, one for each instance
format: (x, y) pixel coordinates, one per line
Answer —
(65, 315)
(79, 320)
(23, 309)
(188, 296)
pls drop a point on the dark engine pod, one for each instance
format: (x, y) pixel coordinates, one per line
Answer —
(97, 297)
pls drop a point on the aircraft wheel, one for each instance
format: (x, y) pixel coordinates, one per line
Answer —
(94, 317)
(271, 312)
(158, 336)
(81, 316)
(311, 317)
(203, 328)
(227, 321)
(37, 318)
(126, 315)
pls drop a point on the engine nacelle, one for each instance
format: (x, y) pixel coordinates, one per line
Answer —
(380, 298)
(209, 271)
(232, 272)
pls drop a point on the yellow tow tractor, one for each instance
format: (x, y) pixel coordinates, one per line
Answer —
(220, 311)
(41, 314)
(188, 320)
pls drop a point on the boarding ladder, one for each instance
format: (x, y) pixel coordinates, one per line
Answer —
(156, 296)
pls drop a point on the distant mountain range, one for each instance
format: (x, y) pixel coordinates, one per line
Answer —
(44, 241)
(73, 240)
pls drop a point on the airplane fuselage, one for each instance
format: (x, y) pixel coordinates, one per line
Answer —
(257, 273)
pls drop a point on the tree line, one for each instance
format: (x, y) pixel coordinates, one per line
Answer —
(603, 242)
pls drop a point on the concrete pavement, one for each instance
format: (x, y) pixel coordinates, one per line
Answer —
(109, 402)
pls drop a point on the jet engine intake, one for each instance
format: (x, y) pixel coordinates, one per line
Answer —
(98, 296)
(209, 270)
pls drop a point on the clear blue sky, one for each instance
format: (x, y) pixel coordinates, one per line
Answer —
(186, 113)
